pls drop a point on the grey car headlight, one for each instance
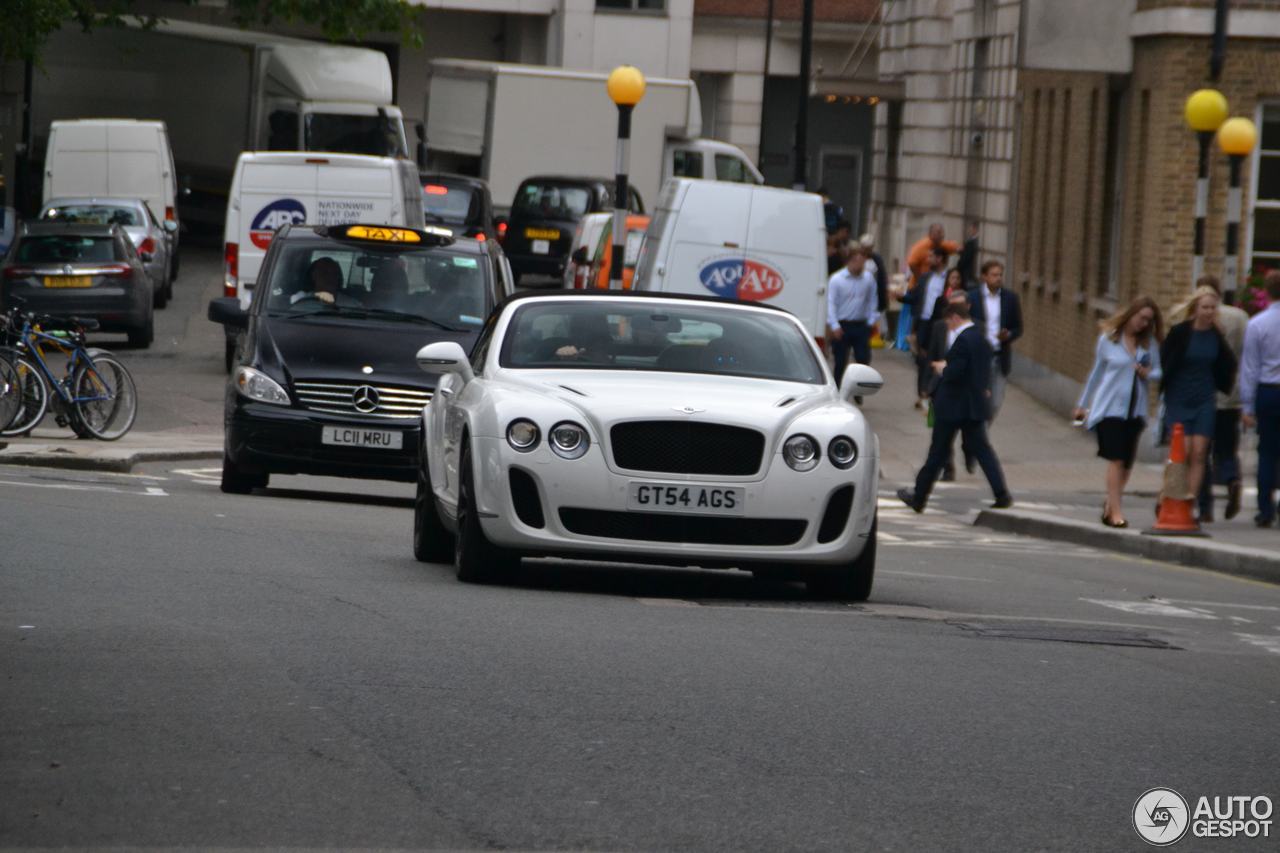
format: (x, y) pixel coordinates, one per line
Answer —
(801, 452)
(842, 451)
(256, 385)
(568, 440)
(522, 435)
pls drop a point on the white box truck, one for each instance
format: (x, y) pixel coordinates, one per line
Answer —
(221, 91)
(505, 122)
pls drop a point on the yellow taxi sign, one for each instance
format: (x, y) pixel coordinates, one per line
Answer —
(381, 234)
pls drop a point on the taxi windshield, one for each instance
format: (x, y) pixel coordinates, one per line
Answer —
(609, 334)
(451, 204)
(547, 200)
(439, 287)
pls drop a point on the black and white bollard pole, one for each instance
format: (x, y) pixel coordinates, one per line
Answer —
(1236, 138)
(1205, 138)
(626, 88)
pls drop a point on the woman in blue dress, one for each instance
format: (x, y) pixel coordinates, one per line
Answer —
(1197, 363)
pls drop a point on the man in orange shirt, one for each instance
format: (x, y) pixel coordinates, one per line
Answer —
(918, 257)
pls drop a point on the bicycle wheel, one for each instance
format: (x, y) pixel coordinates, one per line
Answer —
(35, 400)
(106, 401)
(10, 391)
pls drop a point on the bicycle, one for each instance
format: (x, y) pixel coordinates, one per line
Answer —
(96, 397)
(10, 390)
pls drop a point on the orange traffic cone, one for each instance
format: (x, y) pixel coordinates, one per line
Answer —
(1174, 516)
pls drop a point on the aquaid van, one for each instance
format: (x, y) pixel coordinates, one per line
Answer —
(276, 188)
(739, 241)
(120, 158)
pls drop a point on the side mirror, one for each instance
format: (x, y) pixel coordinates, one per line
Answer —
(170, 226)
(860, 381)
(445, 357)
(226, 311)
(579, 255)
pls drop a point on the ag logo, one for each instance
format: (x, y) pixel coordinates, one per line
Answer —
(282, 211)
(741, 278)
(1161, 817)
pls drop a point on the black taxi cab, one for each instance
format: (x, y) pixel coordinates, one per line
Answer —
(326, 380)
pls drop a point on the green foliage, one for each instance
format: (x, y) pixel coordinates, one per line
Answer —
(25, 25)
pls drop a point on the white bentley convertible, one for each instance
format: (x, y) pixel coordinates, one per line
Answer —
(658, 429)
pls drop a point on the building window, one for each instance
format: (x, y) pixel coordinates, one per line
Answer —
(1264, 240)
(633, 5)
(1113, 194)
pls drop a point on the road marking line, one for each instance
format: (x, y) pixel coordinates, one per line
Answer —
(1222, 604)
(157, 492)
(1263, 641)
(1152, 608)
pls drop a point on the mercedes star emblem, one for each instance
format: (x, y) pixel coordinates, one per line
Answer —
(365, 399)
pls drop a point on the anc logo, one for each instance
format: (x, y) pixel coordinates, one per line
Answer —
(282, 211)
(741, 278)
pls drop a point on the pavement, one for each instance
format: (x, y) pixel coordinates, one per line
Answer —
(1057, 482)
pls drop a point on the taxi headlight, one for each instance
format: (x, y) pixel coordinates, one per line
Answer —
(256, 385)
(569, 440)
(523, 435)
(842, 451)
(801, 452)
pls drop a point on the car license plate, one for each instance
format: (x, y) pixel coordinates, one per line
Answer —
(68, 281)
(384, 439)
(696, 500)
(541, 234)
(540, 247)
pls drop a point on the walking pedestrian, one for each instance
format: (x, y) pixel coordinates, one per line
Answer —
(918, 259)
(1197, 361)
(875, 266)
(968, 261)
(998, 311)
(960, 406)
(851, 303)
(1114, 402)
(1260, 395)
(939, 341)
(923, 298)
(1223, 464)
(838, 246)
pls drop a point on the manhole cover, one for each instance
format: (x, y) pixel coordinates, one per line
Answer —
(1064, 634)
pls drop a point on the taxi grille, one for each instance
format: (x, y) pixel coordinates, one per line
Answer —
(684, 447)
(379, 402)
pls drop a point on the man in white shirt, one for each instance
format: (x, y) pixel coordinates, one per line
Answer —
(998, 312)
(851, 305)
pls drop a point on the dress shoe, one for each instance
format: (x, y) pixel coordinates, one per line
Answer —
(1262, 521)
(908, 497)
(1233, 500)
(1003, 502)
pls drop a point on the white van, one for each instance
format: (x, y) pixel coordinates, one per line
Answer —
(119, 158)
(739, 241)
(275, 188)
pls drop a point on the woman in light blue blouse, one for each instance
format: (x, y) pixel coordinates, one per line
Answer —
(1114, 402)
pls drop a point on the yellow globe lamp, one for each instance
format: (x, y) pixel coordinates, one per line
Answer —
(1206, 110)
(1237, 136)
(626, 85)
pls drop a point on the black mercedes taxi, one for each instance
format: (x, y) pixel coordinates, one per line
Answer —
(325, 381)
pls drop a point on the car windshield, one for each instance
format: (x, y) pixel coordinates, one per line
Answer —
(641, 335)
(541, 200)
(439, 287)
(94, 214)
(66, 249)
(352, 134)
(452, 204)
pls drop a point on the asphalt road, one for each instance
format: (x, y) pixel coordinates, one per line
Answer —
(183, 667)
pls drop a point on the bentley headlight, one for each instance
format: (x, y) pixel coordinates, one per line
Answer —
(522, 435)
(801, 452)
(569, 440)
(842, 451)
(256, 385)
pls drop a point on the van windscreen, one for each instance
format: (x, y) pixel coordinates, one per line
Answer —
(380, 136)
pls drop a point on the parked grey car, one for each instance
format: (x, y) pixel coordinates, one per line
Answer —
(155, 239)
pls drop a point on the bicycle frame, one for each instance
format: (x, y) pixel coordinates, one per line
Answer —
(33, 339)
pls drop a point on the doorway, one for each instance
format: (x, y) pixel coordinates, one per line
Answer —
(840, 171)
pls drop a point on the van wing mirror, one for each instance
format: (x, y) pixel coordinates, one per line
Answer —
(860, 380)
(445, 357)
(226, 311)
(170, 226)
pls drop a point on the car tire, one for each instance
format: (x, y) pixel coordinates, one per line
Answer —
(141, 337)
(237, 481)
(852, 582)
(432, 543)
(229, 355)
(476, 559)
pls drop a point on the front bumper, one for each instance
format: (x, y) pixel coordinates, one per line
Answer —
(286, 440)
(583, 508)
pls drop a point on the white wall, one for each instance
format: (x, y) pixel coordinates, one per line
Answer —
(1082, 35)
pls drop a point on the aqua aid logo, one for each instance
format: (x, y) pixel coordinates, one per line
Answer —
(282, 211)
(741, 278)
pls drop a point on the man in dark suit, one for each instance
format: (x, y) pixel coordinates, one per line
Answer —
(960, 406)
(997, 313)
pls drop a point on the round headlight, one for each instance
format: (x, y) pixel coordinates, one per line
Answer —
(801, 452)
(568, 439)
(522, 435)
(842, 451)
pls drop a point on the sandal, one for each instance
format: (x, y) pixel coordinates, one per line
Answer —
(1122, 523)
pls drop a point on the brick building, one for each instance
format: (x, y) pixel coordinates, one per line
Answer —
(1102, 183)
